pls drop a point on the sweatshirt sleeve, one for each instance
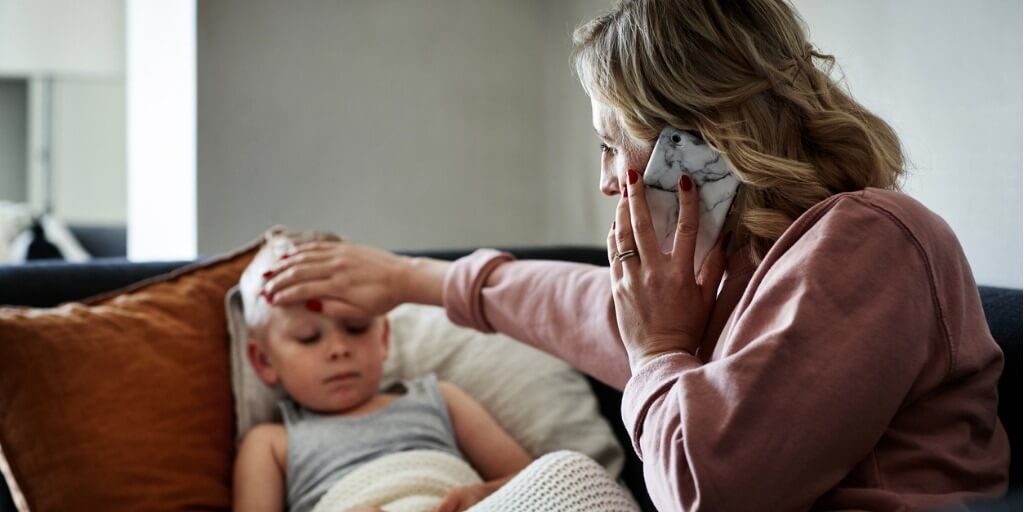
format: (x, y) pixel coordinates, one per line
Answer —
(829, 338)
(562, 308)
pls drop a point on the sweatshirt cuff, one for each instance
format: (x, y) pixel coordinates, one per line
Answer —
(649, 383)
(463, 284)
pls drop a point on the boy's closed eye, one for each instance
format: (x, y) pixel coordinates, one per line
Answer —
(314, 336)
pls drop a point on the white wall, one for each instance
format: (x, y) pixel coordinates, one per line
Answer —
(161, 143)
(947, 76)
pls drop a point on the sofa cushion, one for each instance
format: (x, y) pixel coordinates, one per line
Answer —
(124, 398)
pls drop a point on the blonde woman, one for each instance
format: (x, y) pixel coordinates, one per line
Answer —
(832, 353)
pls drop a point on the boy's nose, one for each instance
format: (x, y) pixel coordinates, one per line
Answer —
(337, 347)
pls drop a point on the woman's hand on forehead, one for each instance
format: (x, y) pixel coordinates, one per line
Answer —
(338, 279)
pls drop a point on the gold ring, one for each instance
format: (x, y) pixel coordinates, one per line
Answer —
(624, 254)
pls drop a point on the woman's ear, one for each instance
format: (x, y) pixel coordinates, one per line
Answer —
(261, 363)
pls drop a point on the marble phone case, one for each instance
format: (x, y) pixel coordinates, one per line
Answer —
(677, 152)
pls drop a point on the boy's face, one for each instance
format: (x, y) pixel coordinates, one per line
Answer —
(327, 365)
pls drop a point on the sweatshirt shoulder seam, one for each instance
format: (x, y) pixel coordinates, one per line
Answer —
(929, 270)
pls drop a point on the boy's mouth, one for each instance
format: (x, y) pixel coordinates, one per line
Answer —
(339, 377)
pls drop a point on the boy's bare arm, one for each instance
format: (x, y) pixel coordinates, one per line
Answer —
(260, 469)
(488, 448)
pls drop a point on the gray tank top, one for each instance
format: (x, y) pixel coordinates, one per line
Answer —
(322, 449)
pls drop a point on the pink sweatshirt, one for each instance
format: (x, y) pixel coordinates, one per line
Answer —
(852, 369)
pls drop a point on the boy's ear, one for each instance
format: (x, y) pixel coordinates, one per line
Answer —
(261, 363)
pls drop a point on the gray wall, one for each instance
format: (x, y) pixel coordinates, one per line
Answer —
(404, 125)
(458, 123)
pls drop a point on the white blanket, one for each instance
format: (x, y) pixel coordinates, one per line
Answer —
(409, 481)
(562, 481)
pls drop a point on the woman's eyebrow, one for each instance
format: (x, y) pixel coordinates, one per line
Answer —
(602, 135)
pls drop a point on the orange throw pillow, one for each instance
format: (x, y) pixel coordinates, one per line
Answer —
(123, 401)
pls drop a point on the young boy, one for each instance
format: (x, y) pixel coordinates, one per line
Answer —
(335, 417)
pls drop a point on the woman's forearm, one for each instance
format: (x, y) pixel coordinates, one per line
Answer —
(425, 281)
(562, 308)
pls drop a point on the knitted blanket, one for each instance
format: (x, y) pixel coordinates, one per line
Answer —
(562, 481)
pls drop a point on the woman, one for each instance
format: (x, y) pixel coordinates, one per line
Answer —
(843, 362)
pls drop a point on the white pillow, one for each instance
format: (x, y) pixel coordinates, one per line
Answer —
(541, 401)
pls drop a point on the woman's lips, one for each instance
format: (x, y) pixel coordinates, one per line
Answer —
(341, 377)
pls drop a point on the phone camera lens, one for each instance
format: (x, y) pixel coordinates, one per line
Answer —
(676, 138)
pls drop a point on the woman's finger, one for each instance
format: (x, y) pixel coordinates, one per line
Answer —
(624, 230)
(613, 248)
(643, 228)
(290, 260)
(301, 292)
(306, 271)
(318, 245)
(685, 242)
(712, 270)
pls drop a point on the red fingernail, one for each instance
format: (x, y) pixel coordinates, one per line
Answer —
(624, 191)
(685, 183)
(270, 298)
(314, 305)
(632, 176)
(613, 224)
(268, 274)
(284, 256)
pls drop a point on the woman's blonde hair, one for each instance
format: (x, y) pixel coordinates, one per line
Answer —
(742, 75)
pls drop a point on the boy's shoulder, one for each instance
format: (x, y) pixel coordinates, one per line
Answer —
(266, 434)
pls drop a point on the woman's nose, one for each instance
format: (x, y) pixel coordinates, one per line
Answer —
(610, 184)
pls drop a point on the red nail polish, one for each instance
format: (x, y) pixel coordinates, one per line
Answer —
(270, 298)
(314, 305)
(268, 274)
(685, 183)
(284, 256)
(624, 191)
(632, 176)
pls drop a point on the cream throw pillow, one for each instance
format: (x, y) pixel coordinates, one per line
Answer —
(541, 401)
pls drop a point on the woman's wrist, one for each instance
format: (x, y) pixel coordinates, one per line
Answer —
(639, 360)
(423, 280)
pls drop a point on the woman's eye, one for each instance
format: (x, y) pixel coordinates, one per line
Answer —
(605, 148)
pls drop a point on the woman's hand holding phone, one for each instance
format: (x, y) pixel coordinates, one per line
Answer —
(660, 306)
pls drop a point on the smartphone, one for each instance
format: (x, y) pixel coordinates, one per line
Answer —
(677, 152)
